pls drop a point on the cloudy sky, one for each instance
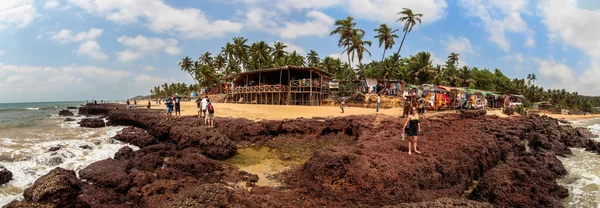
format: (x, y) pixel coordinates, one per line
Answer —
(55, 50)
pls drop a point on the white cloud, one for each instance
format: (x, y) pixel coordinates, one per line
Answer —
(160, 17)
(574, 26)
(499, 16)
(92, 49)
(51, 4)
(518, 57)
(530, 42)
(560, 76)
(66, 36)
(149, 68)
(291, 48)
(287, 5)
(71, 82)
(1, 52)
(140, 45)
(317, 24)
(17, 13)
(460, 45)
(387, 10)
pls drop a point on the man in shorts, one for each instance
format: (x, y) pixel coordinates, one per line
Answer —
(210, 114)
(177, 102)
(199, 106)
(169, 105)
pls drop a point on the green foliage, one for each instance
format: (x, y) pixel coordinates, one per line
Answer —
(521, 110)
(165, 90)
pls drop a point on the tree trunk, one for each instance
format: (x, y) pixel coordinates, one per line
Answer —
(383, 57)
(402, 43)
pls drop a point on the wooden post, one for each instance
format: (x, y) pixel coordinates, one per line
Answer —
(311, 84)
(320, 87)
(289, 98)
(258, 95)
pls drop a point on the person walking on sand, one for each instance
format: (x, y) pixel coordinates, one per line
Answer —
(378, 103)
(169, 105)
(342, 103)
(210, 114)
(128, 104)
(148, 106)
(134, 104)
(414, 127)
(177, 102)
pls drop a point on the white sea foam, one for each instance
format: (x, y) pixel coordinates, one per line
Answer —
(32, 159)
(583, 180)
(32, 108)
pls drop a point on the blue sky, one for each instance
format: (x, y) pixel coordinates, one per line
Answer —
(52, 50)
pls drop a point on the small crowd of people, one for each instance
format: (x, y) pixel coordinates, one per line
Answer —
(205, 108)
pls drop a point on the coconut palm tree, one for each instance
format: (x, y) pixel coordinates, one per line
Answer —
(240, 50)
(345, 29)
(187, 66)
(228, 51)
(260, 54)
(420, 67)
(313, 58)
(386, 37)
(358, 46)
(220, 62)
(453, 59)
(410, 20)
(278, 51)
(206, 58)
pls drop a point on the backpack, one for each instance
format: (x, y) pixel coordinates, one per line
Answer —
(211, 110)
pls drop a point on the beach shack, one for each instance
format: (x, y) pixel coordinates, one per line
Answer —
(287, 85)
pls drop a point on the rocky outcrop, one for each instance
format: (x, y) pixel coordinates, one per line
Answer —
(136, 136)
(5, 175)
(54, 149)
(92, 123)
(65, 113)
(59, 188)
(69, 119)
(72, 107)
(514, 160)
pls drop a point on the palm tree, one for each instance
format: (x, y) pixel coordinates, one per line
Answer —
(453, 59)
(220, 62)
(345, 29)
(228, 51)
(278, 51)
(260, 53)
(410, 20)
(388, 65)
(313, 58)
(240, 50)
(533, 78)
(386, 37)
(358, 46)
(294, 59)
(186, 66)
(420, 67)
(206, 58)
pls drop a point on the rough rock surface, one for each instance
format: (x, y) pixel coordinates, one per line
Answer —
(92, 123)
(5, 175)
(136, 136)
(65, 113)
(514, 160)
(59, 188)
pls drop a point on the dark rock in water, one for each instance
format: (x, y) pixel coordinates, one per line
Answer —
(92, 123)
(136, 136)
(53, 161)
(53, 149)
(69, 119)
(72, 107)
(60, 187)
(85, 147)
(65, 113)
(123, 153)
(5, 175)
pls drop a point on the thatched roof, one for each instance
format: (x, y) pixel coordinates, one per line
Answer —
(297, 68)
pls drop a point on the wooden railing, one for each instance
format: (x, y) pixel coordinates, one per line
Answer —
(305, 83)
(259, 89)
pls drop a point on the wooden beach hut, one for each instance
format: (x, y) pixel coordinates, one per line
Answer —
(287, 85)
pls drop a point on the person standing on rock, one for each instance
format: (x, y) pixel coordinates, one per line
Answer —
(128, 104)
(210, 114)
(204, 102)
(342, 103)
(414, 127)
(149, 104)
(199, 106)
(378, 103)
(177, 105)
(134, 104)
(169, 105)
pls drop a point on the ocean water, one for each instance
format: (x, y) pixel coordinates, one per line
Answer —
(28, 130)
(583, 179)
